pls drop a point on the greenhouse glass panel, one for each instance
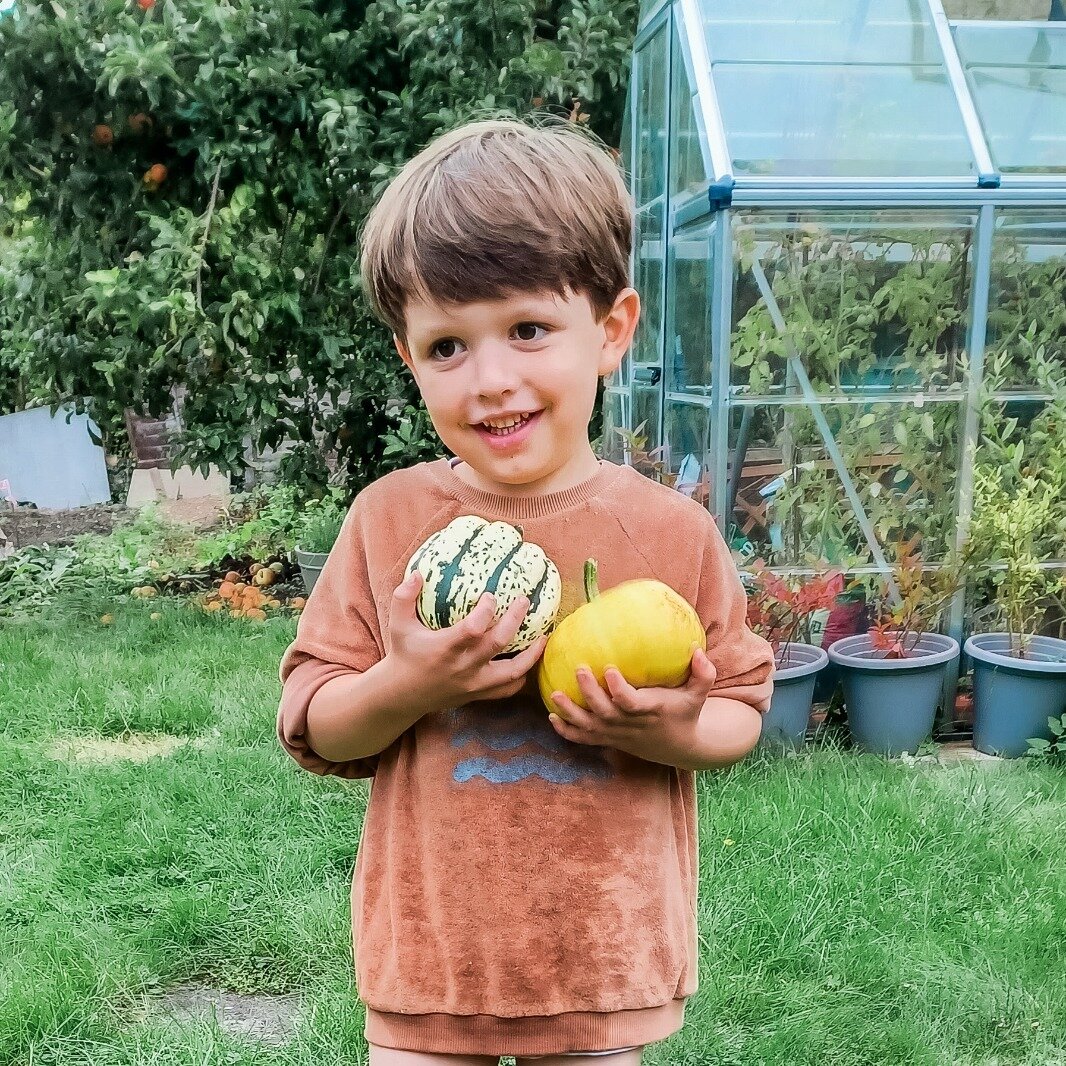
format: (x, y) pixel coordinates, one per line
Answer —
(825, 31)
(1017, 74)
(841, 121)
(871, 301)
(646, 406)
(649, 177)
(614, 418)
(837, 89)
(1027, 302)
(686, 456)
(788, 497)
(689, 354)
(650, 249)
(993, 44)
(687, 170)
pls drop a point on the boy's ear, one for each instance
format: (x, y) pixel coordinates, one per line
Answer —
(404, 354)
(619, 326)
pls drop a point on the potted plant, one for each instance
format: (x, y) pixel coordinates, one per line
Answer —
(318, 533)
(893, 675)
(783, 613)
(1019, 676)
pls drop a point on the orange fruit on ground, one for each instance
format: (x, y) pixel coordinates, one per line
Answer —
(103, 137)
(256, 613)
(226, 589)
(214, 606)
(297, 602)
(232, 576)
(146, 5)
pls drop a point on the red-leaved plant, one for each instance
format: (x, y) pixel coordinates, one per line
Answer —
(782, 611)
(923, 599)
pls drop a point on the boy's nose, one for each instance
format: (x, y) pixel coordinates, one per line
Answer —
(496, 372)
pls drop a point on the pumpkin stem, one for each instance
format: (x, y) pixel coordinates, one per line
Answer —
(591, 589)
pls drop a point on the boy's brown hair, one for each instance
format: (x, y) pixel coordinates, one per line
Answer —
(497, 207)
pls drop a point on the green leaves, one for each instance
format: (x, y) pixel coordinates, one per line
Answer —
(245, 292)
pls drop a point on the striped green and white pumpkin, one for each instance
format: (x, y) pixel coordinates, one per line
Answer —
(470, 557)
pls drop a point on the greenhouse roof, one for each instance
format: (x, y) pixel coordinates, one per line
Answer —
(868, 93)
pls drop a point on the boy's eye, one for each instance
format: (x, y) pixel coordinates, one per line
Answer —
(443, 349)
(524, 328)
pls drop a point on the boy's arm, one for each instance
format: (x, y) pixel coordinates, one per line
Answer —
(358, 715)
(301, 686)
(726, 731)
(330, 717)
(730, 723)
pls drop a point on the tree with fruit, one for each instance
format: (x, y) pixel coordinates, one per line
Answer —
(181, 186)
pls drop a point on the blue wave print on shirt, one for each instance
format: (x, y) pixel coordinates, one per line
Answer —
(523, 766)
(508, 741)
(512, 728)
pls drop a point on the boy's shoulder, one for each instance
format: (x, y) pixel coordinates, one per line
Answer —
(640, 496)
(400, 484)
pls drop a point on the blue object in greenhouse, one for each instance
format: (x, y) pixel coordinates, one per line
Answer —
(1013, 698)
(784, 725)
(891, 703)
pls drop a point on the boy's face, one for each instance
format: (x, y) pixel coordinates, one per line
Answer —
(537, 356)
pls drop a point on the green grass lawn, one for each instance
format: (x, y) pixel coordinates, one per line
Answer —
(866, 911)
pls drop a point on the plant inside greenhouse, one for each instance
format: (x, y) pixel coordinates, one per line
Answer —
(851, 242)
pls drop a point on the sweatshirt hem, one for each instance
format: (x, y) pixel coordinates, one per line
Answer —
(486, 1034)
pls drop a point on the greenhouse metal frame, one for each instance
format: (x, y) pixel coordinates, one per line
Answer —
(723, 154)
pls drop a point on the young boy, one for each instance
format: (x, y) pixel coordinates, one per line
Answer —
(523, 886)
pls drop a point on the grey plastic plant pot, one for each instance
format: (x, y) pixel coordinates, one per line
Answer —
(310, 564)
(891, 703)
(784, 725)
(1013, 698)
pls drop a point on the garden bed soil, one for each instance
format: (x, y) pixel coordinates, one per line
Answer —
(33, 525)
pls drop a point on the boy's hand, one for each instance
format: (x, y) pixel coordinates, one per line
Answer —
(447, 667)
(657, 724)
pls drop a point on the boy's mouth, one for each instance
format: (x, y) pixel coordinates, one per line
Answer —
(509, 430)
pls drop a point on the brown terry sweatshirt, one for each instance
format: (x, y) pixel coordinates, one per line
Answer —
(515, 893)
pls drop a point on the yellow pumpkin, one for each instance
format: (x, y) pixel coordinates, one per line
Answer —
(641, 627)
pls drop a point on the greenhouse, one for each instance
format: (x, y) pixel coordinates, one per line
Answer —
(851, 250)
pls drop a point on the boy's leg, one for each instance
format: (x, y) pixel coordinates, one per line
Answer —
(575, 1058)
(390, 1056)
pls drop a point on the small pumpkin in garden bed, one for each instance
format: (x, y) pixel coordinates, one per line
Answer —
(470, 557)
(641, 627)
